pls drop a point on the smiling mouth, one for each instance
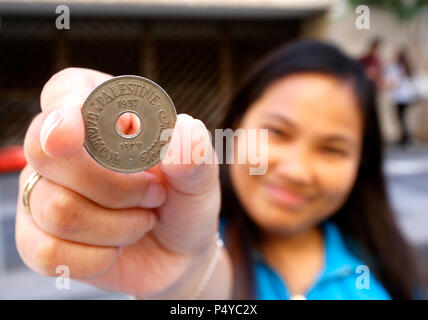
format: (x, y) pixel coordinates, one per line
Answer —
(285, 196)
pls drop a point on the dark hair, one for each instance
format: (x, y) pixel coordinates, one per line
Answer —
(375, 43)
(366, 218)
(404, 61)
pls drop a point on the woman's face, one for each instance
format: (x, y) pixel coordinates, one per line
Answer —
(315, 137)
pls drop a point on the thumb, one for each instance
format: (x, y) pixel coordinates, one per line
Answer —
(190, 163)
(190, 213)
(62, 132)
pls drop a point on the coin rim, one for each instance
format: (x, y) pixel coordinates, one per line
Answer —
(171, 105)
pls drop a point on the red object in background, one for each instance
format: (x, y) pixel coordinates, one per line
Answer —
(12, 158)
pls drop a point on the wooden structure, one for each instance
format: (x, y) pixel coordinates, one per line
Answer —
(197, 52)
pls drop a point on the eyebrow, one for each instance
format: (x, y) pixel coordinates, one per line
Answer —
(282, 119)
(331, 138)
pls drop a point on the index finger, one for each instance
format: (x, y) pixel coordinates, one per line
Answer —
(61, 100)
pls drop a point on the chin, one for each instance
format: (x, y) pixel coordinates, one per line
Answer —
(280, 220)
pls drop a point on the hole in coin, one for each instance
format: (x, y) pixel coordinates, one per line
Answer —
(128, 125)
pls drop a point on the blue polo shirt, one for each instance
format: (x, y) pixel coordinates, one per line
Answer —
(343, 275)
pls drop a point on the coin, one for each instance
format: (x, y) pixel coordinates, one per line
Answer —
(111, 148)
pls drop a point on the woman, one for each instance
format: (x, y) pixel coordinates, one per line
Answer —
(403, 92)
(325, 170)
(152, 234)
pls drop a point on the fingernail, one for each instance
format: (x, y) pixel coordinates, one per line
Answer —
(50, 123)
(154, 196)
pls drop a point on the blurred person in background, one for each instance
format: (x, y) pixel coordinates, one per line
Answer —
(403, 90)
(322, 207)
(302, 230)
(372, 62)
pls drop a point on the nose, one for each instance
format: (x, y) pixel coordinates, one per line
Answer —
(294, 164)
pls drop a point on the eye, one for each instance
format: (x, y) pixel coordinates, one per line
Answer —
(277, 132)
(335, 151)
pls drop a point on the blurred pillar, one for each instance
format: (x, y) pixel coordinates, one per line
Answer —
(225, 69)
(147, 54)
(314, 27)
(61, 58)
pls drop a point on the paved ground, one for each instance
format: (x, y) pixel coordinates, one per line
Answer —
(407, 173)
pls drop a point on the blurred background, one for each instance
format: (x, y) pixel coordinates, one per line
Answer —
(198, 50)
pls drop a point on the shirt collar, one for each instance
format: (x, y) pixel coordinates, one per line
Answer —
(338, 260)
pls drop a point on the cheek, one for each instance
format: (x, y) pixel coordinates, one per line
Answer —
(244, 183)
(246, 187)
(336, 180)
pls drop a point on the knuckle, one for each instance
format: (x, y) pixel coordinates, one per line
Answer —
(60, 214)
(69, 70)
(47, 255)
(50, 88)
(49, 84)
(66, 72)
